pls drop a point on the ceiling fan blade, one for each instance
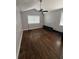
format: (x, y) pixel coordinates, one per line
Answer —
(45, 11)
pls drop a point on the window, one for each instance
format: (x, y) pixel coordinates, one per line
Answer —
(33, 19)
(61, 21)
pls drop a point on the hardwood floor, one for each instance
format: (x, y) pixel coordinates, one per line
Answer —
(40, 44)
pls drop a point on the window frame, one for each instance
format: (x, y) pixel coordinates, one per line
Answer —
(34, 18)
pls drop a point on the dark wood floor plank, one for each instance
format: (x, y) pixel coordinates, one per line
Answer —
(40, 44)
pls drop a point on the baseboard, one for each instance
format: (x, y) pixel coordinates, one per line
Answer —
(19, 45)
(52, 30)
(48, 28)
(25, 29)
(58, 31)
(32, 29)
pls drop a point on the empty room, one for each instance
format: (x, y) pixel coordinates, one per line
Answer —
(39, 29)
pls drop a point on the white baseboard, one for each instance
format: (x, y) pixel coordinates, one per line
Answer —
(25, 29)
(31, 28)
(19, 45)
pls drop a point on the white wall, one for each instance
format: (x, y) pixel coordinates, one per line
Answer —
(52, 19)
(18, 31)
(25, 19)
(52, 4)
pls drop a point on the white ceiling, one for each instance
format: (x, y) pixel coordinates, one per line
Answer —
(25, 4)
(31, 4)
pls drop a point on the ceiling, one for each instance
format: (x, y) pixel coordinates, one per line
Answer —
(25, 4)
(34, 4)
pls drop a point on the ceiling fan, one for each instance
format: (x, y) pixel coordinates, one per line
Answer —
(42, 10)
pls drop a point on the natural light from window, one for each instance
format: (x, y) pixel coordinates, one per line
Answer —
(33, 19)
(61, 21)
